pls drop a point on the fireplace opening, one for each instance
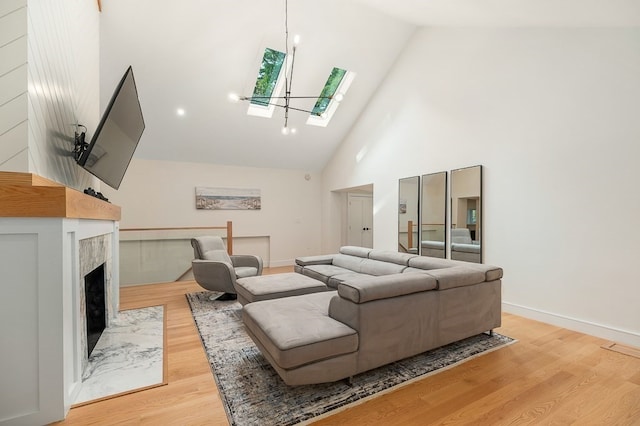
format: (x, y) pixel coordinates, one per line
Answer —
(95, 306)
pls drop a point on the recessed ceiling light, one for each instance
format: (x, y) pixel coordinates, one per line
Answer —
(181, 112)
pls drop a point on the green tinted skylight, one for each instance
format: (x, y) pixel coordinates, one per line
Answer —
(267, 76)
(329, 90)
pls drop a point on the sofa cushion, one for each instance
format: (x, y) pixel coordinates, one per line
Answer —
(298, 330)
(457, 276)
(426, 263)
(416, 270)
(366, 289)
(314, 260)
(355, 251)
(323, 272)
(336, 280)
(391, 256)
(352, 263)
(377, 267)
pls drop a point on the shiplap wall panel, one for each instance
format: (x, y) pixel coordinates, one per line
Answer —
(12, 25)
(57, 43)
(63, 81)
(13, 55)
(13, 113)
(8, 6)
(13, 86)
(12, 143)
(17, 163)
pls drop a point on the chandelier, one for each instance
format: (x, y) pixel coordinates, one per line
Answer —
(284, 102)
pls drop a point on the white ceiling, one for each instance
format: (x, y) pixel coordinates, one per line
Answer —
(191, 54)
(512, 13)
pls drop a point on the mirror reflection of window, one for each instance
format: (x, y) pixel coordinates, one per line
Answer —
(471, 217)
(466, 214)
(433, 231)
(408, 220)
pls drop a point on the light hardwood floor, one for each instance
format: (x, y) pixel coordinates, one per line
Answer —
(550, 376)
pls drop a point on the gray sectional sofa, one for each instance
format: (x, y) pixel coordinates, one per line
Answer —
(383, 306)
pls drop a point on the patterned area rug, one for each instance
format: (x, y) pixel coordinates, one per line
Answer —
(253, 393)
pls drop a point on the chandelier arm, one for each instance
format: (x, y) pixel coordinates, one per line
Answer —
(293, 108)
(293, 62)
(249, 98)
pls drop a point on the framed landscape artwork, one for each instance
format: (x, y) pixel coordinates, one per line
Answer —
(227, 198)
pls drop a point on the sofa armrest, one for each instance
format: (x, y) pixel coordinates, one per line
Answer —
(325, 259)
(458, 276)
(247, 260)
(367, 289)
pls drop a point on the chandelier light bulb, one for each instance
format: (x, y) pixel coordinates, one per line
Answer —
(338, 97)
(293, 131)
(296, 39)
(234, 97)
(285, 130)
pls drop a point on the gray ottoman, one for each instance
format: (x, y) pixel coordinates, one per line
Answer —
(266, 287)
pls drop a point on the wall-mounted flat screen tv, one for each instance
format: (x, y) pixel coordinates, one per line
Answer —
(116, 138)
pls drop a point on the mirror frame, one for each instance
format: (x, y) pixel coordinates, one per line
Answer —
(409, 205)
(424, 202)
(467, 256)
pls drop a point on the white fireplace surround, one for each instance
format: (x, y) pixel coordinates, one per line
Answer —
(42, 269)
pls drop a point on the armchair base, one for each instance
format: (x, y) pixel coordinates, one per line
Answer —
(224, 297)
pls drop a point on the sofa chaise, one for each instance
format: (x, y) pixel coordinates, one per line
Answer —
(381, 307)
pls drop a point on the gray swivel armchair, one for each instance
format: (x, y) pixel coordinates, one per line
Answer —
(215, 270)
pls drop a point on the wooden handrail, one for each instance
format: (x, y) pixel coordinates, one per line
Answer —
(228, 227)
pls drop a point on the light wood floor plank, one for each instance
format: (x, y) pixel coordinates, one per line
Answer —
(550, 376)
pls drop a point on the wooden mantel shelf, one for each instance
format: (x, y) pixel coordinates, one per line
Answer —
(29, 195)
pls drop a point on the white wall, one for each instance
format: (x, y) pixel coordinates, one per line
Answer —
(552, 115)
(162, 194)
(49, 78)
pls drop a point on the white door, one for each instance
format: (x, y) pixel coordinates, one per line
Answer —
(360, 220)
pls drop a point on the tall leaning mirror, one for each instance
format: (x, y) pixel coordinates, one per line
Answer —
(466, 214)
(408, 206)
(433, 212)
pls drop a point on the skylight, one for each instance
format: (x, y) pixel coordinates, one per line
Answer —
(271, 81)
(332, 93)
(267, 76)
(329, 90)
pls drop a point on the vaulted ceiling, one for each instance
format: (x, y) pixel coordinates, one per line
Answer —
(191, 54)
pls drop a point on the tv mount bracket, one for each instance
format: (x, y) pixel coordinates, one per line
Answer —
(80, 146)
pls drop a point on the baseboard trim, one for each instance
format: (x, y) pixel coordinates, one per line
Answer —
(606, 332)
(279, 263)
